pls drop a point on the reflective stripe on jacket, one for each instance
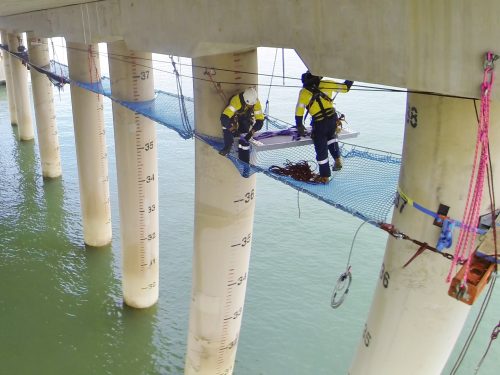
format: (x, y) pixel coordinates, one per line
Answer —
(237, 105)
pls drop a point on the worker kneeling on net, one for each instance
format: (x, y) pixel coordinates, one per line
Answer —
(242, 117)
(316, 98)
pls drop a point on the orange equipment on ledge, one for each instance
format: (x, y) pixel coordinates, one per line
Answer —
(479, 275)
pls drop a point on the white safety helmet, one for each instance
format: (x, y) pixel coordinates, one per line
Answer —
(250, 96)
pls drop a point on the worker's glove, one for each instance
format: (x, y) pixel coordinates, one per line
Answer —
(225, 150)
(348, 84)
(257, 126)
(249, 136)
(301, 130)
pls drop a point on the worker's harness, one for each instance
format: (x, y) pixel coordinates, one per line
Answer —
(243, 119)
(317, 95)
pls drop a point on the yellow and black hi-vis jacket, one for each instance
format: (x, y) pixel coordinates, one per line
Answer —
(237, 116)
(317, 100)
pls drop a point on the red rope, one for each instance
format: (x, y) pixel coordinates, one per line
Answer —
(300, 171)
(468, 233)
(93, 70)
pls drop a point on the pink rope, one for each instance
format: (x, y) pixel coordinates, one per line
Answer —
(468, 232)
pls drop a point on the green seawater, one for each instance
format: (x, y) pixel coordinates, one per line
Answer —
(61, 309)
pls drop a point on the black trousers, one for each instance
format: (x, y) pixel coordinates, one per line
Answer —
(325, 140)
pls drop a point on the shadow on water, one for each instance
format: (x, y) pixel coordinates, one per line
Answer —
(60, 301)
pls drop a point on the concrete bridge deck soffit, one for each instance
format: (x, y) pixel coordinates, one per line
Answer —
(423, 45)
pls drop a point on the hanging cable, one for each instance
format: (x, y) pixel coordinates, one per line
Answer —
(475, 326)
(266, 110)
(355, 87)
(283, 63)
(341, 289)
(182, 104)
(493, 336)
(270, 83)
(51, 70)
(298, 202)
(493, 205)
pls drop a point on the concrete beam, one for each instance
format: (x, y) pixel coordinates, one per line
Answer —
(417, 44)
(81, 23)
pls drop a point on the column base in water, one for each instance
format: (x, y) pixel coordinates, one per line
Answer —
(224, 212)
(90, 142)
(21, 93)
(137, 167)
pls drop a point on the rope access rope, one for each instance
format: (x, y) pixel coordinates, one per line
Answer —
(475, 326)
(283, 64)
(491, 192)
(493, 218)
(473, 204)
(494, 335)
(266, 110)
(300, 171)
(54, 53)
(182, 104)
(467, 236)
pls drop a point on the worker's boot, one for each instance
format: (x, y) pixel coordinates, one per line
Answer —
(225, 150)
(338, 165)
(321, 179)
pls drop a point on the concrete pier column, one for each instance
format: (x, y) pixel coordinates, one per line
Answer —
(224, 211)
(90, 141)
(132, 80)
(43, 98)
(2, 70)
(413, 324)
(21, 93)
(8, 81)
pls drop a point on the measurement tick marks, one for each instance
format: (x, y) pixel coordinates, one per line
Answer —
(247, 198)
(235, 315)
(238, 281)
(244, 241)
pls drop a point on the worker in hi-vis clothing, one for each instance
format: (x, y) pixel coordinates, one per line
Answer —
(316, 98)
(242, 117)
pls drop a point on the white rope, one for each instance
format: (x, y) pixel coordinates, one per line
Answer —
(83, 25)
(88, 23)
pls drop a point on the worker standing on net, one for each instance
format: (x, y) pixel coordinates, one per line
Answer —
(316, 98)
(242, 117)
